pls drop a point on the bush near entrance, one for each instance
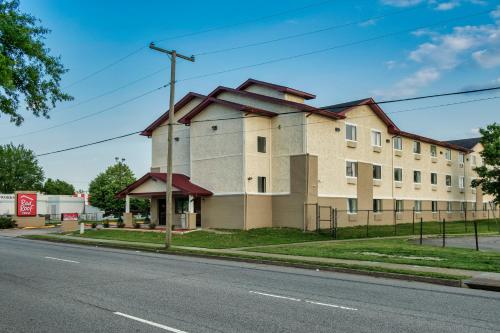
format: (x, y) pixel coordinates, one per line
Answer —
(7, 222)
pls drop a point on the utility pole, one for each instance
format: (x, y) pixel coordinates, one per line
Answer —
(170, 211)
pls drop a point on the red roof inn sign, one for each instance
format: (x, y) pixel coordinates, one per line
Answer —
(26, 204)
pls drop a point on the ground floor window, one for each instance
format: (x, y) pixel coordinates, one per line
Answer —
(399, 206)
(418, 205)
(463, 205)
(377, 205)
(352, 205)
(450, 206)
(181, 205)
(434, 206)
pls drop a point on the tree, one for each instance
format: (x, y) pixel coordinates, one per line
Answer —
(489, 171)
(19, 169)
(103, 190)
(58, 186)
(28, 73)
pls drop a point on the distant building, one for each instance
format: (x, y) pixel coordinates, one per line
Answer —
(258, 156)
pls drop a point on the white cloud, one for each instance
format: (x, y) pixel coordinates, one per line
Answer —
(487, 58)
(437, 5)
(410, 85)
(401, 3)
(447, 5)
(368, 23)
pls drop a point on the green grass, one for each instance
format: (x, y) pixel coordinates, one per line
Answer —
(394, 251)
(212, 240)
(428, 228)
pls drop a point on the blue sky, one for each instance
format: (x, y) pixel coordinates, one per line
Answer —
(454, 55)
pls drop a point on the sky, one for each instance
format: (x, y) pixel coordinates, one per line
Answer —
(347, 50)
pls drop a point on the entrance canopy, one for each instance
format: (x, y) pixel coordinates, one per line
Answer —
(154, 183)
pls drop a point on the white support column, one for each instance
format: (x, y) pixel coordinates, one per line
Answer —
(191, 204)
(127, 204)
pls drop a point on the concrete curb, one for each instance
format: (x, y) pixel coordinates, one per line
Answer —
(311, 266)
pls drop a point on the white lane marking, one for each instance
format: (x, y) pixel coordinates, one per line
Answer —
(332, 305)
(166, 328)
(276, 296)
(65, 260)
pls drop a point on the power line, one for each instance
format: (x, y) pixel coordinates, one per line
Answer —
(300, 55)
(307, 33)
(407, 110)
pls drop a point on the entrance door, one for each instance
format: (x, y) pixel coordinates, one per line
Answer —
(197, 210)
(162, 211)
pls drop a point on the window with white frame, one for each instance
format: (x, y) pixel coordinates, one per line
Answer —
(376, 138)
(261, 184)
(352, 205)
(447, 154)
(417, 148)
(461, 181)
(261, 144)
(399, 205)
(418, 205)
(350, 132)
(463, 206)
(398, 143)
(449, 207)
(434, 206)
(377, 171)
(461, 158)
(434, 178)
(398, 174)
(448, 180)
(434, 151)
(351, 169)
(474, 206)
(377, 205)
(417, 176)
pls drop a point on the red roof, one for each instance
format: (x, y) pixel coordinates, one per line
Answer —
(239, 107)
(276, 87)
(179, 181)
(164, 117)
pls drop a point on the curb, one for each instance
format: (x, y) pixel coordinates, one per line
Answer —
(311, 266)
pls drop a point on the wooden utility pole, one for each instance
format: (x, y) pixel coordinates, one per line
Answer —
(170, 211)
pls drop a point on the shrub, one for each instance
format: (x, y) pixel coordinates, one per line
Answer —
(137, 225)
(105, 224)
(147, 220)
(152, 226)
(120, 224)
(6, 222)
(94, 225)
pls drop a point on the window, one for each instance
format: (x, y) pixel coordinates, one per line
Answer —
(434, 205)
(473, 159)
(447, 154)
(261, 144)
(417, 176)
(261, 184)
(376, 138)
(485, 206)
(461, 158)
(377, 171)
(418, 205)
(351, 169)
(399, 206)
(462, 206)
(449, 207)
(461, 181)
(448, 180)
(398, 174)
(377, 205)
(352, 205)
(398, 143)
(181, 205)
(416, 147)
(434, 178)
(474, 206)
(434, 151)
(350, 132)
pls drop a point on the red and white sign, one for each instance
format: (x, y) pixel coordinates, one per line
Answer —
(26, 204)
(70, 216)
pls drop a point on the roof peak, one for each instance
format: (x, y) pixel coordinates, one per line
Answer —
(284, 89)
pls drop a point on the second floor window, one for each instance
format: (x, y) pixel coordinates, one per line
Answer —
(376, 139)
(461, 158)
(434, 151)
(261, 184)
(434, 178)
(461, 182)
(351, 169)
(350, 132)
(417, 177)
(448, 180)
(473, 159)
(447, 154)
(416, 147)
(261, 144)
(398, 174)
(377, 171)
(398, 143)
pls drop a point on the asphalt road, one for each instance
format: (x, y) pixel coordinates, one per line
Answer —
(46, 287)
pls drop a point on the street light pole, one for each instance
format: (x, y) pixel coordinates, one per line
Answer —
(170, 212)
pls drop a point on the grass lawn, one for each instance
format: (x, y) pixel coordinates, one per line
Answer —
(428, 228)
(394, 251)
(212, 240)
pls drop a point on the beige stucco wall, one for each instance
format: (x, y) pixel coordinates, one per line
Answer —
(224, 211)
(259, 211)
(151, 186)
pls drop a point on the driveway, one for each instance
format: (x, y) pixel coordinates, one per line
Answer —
(486, 243)
(24, 232)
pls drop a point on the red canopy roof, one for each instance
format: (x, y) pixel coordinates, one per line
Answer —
(179, 181)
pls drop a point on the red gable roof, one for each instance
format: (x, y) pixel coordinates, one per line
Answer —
(239, 107)
(179, 181)
(164, 117)
(276, 87)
